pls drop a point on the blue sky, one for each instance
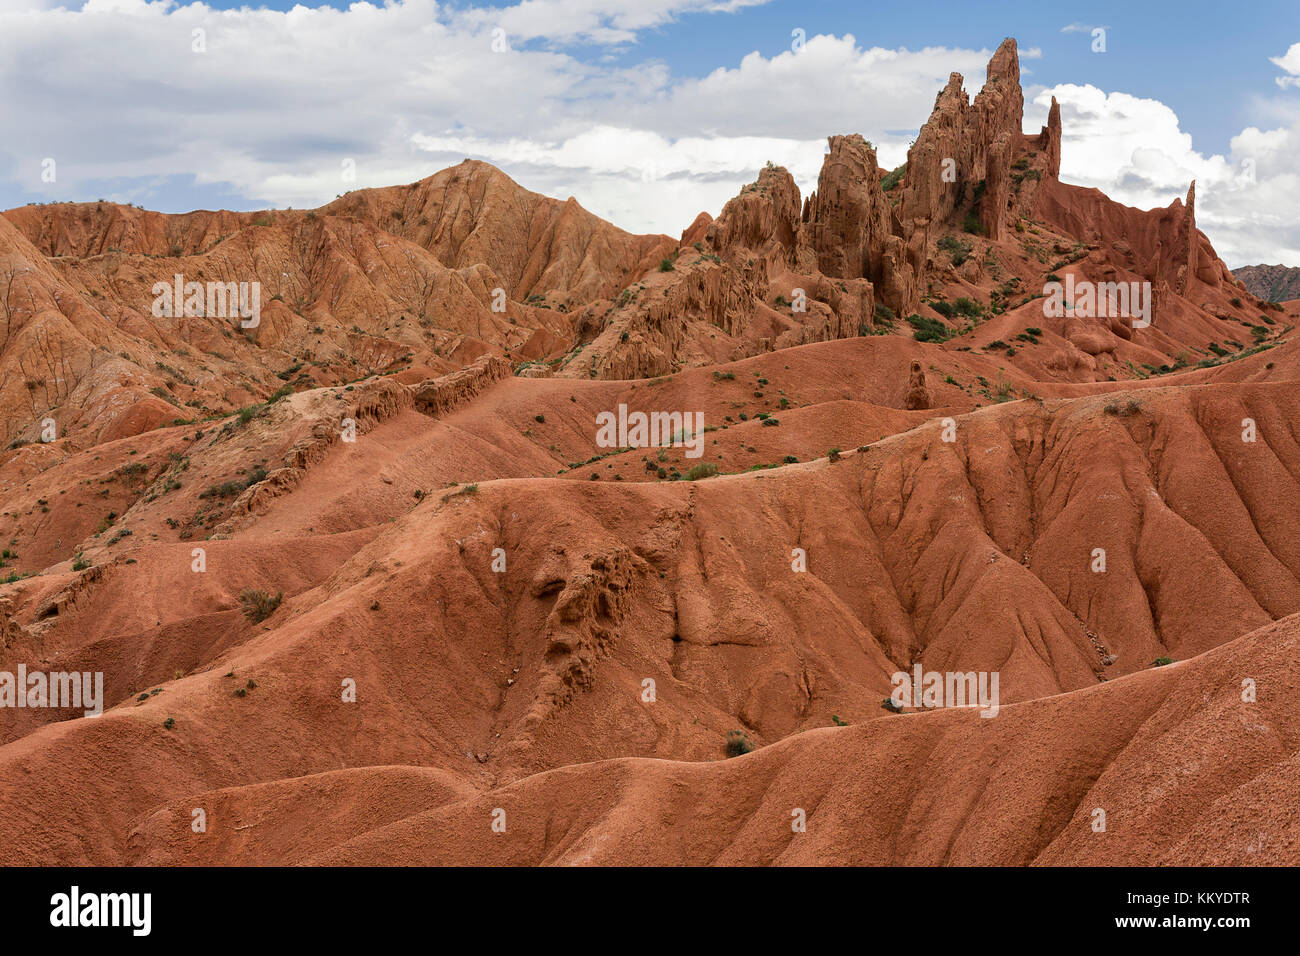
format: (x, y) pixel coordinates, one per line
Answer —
(1157, 50)
(645, 110)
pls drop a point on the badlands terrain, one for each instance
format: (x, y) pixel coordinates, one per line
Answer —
(365, 587)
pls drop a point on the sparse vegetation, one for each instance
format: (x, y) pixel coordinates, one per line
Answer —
(466, 490)
(928, 330)
(257, 604)
(738, 744)
(892, 178)
(958, 249)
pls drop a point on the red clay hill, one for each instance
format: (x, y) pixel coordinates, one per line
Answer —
(362, 579)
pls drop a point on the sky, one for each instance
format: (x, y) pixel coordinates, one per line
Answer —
(645, 111)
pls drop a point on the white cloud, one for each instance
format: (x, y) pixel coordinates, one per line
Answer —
(618, 169)
(279, 99)
(115, 94)
(1290, 62)
(1134, 150)
(594, 21)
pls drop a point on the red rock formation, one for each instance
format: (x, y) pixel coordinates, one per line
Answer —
(846, 218)
(697, 230)
(763, 218)
(474, 213)
(524, 581)
(1164, 245)
(438, 396)
(917, 395)
(1049, 141)
(963, 154)
(998, 111)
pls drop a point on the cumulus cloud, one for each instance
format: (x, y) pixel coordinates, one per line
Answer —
(170, 106)
(779, 108)
(592, 21)
(1135, 151)
(267, 105)
(1290, 63)
(620, 168)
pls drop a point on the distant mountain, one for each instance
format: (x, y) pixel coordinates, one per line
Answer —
(1274, 283)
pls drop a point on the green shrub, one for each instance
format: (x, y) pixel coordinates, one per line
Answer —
(738, 744)
(892, 178)
(958, 249)
(928, 330)
(473, 489)
(258, 605)
(227, 489)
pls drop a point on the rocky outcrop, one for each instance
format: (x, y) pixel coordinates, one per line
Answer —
(590, 603)
(1162, 246)
(917, 396)
(1185, 247)
(933, 185)
(1049, 140)
(475, 213)
(962, 156)
(763, 217)
(697, 230)
(846, 218)
(1271, 283)
(998, 111)
(848, 229)
(440, 395)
